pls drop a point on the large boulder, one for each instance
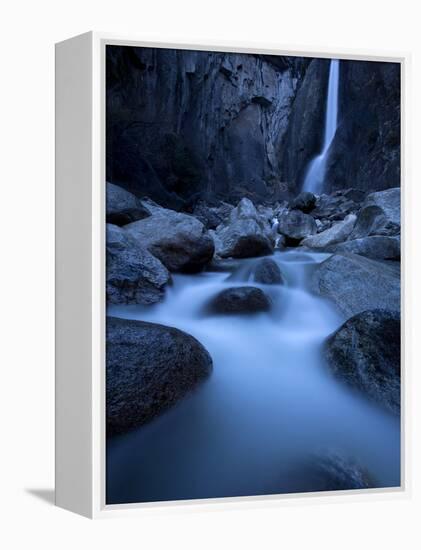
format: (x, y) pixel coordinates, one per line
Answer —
(377, 247)
(365, 353)
(178, 240)
(379, 215)
(305, 202)
(355, 283)
(242, 299)
(296, 226)
(328, 471)
(389, 201)
(339, 232)
(149, 368)
(267, 272)
(123, 207)
(246, 234)
(134, 276)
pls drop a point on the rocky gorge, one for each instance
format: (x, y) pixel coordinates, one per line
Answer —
(243, 311)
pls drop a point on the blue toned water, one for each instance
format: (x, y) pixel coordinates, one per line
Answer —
(269, 401)
(316, 171)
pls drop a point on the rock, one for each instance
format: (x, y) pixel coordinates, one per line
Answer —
(327, 472)
(323, 224)
(134, 276)
(279, 208)
(267, 272)
(339, 232)
(149, 368)
(376, 247)
(242, 299)
(267, 212)
(246, 234)
(212, 216)
(389, 201)
(337, 205)
(178, 240)
(355, 283)
(365, 353)
(305, 202)
(356, 195)
(380, 215)
(296, 226)
(122, 206)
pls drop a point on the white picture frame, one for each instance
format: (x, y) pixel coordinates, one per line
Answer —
(80, 277)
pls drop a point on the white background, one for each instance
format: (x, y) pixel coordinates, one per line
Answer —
(28, 32)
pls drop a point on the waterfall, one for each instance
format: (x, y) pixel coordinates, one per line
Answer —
(315, 175)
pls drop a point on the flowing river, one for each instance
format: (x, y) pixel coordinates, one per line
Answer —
(269, 401)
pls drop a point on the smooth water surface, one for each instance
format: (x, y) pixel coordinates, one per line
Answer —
(269, 401)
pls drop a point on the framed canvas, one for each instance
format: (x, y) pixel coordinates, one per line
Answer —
(228, 273)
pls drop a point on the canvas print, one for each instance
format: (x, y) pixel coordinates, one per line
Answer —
(252, 274)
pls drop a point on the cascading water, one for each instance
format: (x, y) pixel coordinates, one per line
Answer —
(269, 401)
(316, 171)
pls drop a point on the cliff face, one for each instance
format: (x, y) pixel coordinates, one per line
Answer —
(193, 123)
(183, 125)
(365, 152)
(304, 136)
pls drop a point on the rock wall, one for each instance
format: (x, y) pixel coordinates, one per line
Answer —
(189, 122)
(365, 153)
(186, 125)
(304, 136)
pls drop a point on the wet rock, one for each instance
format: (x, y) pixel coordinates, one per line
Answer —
(134, 275)
(122, 206)
(243, 299)
(380, 215)
(356, 284)
(305, 202)
(365, 354)
(296, 226)
(327, 472)
(178, 240)
(246, 234)
(149, 368)
(267, 272)
(376, 247)
(337, 233)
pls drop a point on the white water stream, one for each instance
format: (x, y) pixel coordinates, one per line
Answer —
(269, 401)
(316, 171)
